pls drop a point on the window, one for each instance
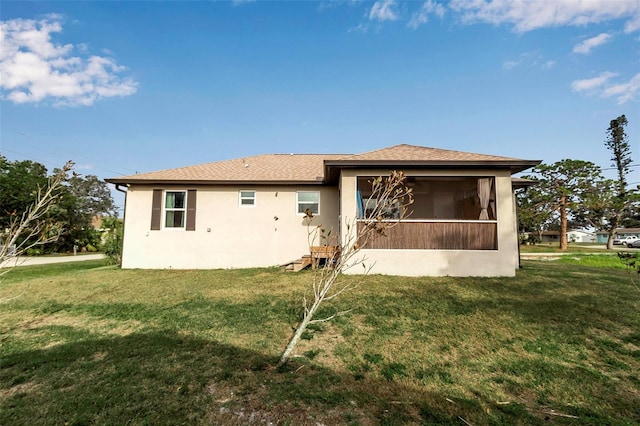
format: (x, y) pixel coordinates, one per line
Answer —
(308, 200)
(175, 209)
(440, 198)
(247, 198)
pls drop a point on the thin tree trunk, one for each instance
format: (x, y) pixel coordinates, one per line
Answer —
(611, 236)
(613, 227)
(563, 224)
(299, 332)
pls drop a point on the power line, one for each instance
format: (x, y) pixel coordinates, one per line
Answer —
(28, 157)
(608, 168)
(58, 152)
(615, 168)
(51, 164)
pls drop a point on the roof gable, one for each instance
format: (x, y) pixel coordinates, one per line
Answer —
(404, 152)
(412, 156)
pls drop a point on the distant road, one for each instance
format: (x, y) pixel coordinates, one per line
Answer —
(43, 260)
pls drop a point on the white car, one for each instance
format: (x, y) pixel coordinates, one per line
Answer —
(625, 241)
(634, 244)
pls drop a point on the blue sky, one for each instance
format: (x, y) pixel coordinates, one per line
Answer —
(125, 87)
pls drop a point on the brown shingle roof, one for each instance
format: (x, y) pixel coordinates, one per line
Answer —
(318, 168)
(406, 152)
(411, 156)
(268, 168)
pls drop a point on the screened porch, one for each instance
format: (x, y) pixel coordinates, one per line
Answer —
(448, 213)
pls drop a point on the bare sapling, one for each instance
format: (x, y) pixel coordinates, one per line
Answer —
(384, 208)
(632, 264)
(33, 226)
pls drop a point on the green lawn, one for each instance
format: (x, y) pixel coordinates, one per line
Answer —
(572, 247)
(89, 344)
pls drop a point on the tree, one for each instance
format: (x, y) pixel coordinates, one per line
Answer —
(84, 197)
(34, 226)
(596, 204)
(78, 200)
(19, 182)
(561, 188)
(617, 142)
(388, 194)
(533, 216)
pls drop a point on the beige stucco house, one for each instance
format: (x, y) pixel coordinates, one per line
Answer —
(249, 212)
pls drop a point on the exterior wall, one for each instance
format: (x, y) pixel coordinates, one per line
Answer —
(226, 235)
(581, 237)
(575, 236)
(490, 263)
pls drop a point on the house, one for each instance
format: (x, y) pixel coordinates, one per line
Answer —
(573, 236)
(550, 236)
(581, 236)
(249, 212)
(603, 236)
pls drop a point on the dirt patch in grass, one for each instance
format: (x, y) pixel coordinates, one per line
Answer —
(81, 322)
(321, 345)
(58, 328)
(20, 388)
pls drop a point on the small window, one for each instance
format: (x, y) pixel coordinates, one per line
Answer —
(308, 200)
(175, 209)
(247, 198)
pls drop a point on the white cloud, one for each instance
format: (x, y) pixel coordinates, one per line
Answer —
(241, 2)
(533, 14)
(383, 10)
(633, 24)
(625, 91)
(509, 65)
(35, 69)
(602, 86)
(531, 59)
(360, 28)
(590, 84)
(422, 16)
(586, 46)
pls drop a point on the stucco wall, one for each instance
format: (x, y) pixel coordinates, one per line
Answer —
(501, 262)
(226, 235)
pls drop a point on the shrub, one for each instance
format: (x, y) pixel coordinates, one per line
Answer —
(34, 252)
(112, 246)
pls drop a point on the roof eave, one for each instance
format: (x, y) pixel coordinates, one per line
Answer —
(184, 182)
(514, 166)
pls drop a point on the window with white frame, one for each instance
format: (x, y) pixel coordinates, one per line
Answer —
(247, 198)
(175, 209)
(308, 201)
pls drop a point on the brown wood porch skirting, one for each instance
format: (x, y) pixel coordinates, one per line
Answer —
(437, 236)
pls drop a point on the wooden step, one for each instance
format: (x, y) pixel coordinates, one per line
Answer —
(302, 263)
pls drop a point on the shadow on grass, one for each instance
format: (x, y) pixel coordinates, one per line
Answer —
(166, 378)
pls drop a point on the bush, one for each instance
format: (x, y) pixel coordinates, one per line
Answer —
(112, 246)
(532, 240)
(34, 252)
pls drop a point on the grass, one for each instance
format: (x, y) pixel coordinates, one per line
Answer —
(553, 248)
(89, 344)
